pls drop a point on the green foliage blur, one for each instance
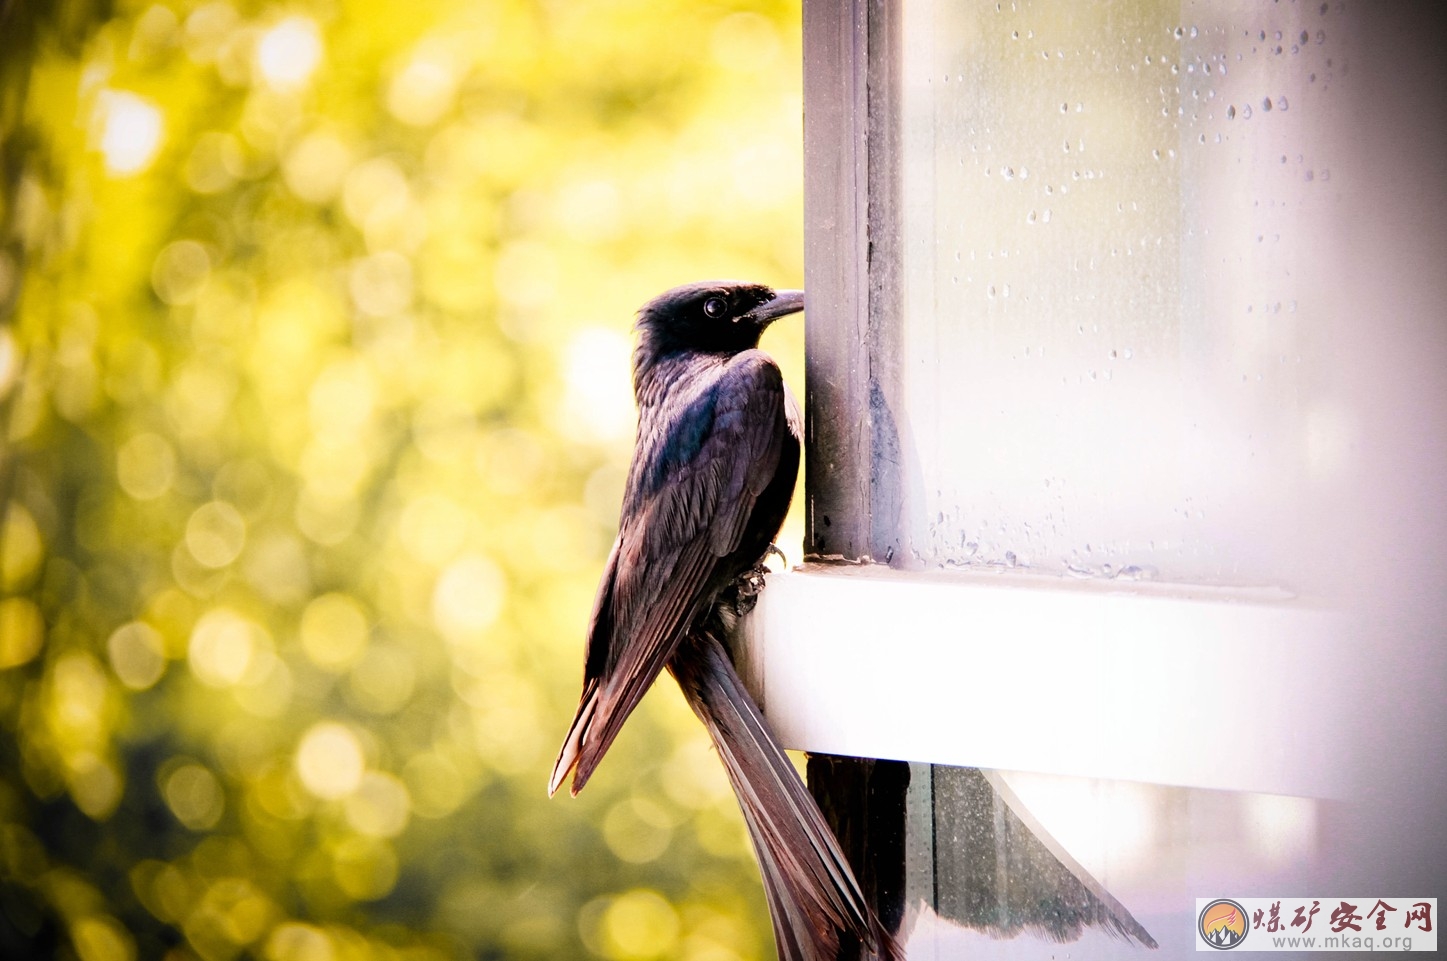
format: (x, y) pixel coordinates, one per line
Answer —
(313, 378)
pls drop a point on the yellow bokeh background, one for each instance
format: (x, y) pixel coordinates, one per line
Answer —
(314, 337)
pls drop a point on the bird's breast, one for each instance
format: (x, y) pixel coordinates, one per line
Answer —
(793, 415)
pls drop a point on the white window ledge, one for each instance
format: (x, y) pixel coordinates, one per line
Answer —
(1235, 690)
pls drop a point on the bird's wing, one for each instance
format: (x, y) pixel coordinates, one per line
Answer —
(694, 482)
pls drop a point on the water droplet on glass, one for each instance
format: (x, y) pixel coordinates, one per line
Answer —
(1231, 112)
(1010, 559)
(1281, 103)
(1180, 33)
(1266, 104)
(1194, 33)
(1008, 173)
(1321, 36)
(1246, 112)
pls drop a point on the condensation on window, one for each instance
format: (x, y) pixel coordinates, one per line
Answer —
(1121, 229)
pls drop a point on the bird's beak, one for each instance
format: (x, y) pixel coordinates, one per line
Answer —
(785, 302)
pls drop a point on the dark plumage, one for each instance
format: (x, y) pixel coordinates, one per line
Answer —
(714, 464)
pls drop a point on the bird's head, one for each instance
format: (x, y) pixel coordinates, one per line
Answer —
(714, 317)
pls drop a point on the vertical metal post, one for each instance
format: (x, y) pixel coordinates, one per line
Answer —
(851, 264)
(852, 480)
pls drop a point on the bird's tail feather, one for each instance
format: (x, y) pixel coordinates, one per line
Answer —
(813, 897)
(573, 743)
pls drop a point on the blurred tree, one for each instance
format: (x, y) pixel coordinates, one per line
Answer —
(313, 372)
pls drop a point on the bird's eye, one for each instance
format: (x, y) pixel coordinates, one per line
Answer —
(715, 307)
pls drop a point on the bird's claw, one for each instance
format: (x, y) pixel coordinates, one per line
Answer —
(747, 587)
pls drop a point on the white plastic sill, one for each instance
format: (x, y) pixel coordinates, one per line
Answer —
(1233, 690)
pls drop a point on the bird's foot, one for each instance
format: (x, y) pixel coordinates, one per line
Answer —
(747, 587)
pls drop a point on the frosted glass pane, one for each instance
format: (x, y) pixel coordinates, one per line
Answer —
(1122, 232)
(1008, 865)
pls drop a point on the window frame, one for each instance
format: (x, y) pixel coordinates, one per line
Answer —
(855, 655)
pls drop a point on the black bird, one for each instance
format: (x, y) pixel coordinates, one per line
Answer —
(714, 464)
